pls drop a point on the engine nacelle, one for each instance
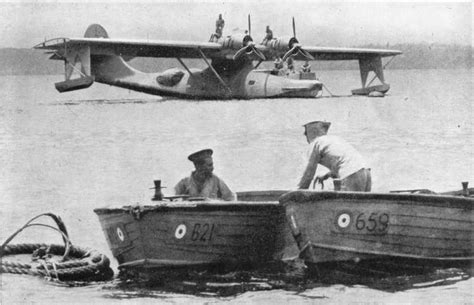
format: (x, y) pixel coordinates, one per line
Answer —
(282, 44)
(236, 41)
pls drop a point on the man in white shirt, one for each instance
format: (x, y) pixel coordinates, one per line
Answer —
(341, 158)
(202, 182)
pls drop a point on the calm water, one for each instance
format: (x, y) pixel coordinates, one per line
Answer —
(70, 153)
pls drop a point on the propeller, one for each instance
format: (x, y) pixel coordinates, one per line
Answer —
(295, 47)
(249, 46)
(249, 49)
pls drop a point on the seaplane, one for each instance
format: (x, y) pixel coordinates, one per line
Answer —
(232, 65)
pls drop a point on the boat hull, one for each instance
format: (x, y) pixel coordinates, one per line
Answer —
(343, 226)
(173, 234)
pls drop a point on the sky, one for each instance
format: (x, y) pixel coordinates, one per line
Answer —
(318, 23)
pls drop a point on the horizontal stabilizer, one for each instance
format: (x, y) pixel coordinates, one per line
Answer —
(55, 56)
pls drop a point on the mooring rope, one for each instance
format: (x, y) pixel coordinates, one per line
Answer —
(77, 264)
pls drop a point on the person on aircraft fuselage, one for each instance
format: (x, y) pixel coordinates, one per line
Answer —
(277, 66)
(290, 65)
(202, 182)
(268, 35)
(306, 67)
(219, 26)
(341, 158)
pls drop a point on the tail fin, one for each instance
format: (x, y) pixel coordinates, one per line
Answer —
(96, 31)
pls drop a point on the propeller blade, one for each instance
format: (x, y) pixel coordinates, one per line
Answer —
(250, 26)
(239, 53)
(249, 50)
(294, 27)
(258, 53)
(297, 50)
(291, 52)
(306, 54)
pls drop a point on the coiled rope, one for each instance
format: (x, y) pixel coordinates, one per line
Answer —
(76, 264)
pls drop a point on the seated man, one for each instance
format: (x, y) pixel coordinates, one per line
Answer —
(278, 66)
(268, 35)
(340, 157)
(306, 67)
(202, 182)
(219, 26)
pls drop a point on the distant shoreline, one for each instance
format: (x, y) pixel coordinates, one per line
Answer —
(61, 74)
(415, 56)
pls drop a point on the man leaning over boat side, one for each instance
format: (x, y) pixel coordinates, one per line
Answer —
(341, 158)
(202, 182)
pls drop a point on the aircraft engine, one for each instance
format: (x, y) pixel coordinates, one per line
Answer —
(282, 44)
(243, 44)
(236, 41)
(290, 46)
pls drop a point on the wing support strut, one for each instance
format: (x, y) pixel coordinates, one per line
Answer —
(214, 71)
(186, 67)
(71, 57)
(367, 65)
(382, 69)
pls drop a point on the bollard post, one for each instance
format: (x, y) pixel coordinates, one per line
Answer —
(158, 194)
(465, 190)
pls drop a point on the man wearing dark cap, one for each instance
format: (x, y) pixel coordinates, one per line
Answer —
(340, 157)
(202, 182)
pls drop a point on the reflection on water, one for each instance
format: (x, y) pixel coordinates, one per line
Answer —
(111, 101)
(290, 276)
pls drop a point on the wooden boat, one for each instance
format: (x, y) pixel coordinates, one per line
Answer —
(352, 226)
(168, 233)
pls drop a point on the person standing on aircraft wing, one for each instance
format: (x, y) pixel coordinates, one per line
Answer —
(268, 35)
(202, 182)
(219, 26)
(340, 157)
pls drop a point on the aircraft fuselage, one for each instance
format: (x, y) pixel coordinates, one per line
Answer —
(223, 80)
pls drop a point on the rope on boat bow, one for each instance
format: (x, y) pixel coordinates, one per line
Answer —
(76, 264)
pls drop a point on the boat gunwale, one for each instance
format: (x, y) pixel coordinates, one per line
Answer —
(229, 206)
(438, 200)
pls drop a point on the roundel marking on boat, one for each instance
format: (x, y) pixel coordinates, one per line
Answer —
(344, 220)
(120, 234)
(180, 231)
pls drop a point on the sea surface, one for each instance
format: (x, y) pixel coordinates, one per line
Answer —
(70, 153)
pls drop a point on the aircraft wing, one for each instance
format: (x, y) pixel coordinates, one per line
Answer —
(327, 53)
(138, 48)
